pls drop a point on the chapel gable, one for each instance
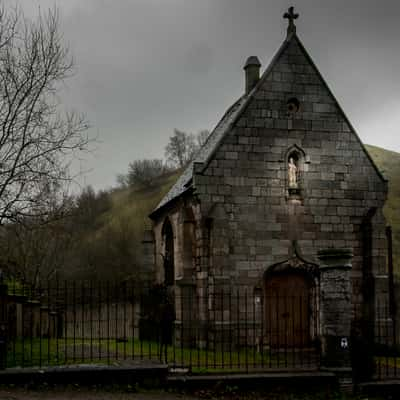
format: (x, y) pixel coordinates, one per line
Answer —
(283, 173)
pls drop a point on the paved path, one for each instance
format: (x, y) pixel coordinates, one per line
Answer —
(84, 394)
(87, 394)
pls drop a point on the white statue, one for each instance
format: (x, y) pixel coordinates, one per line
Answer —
(292, 170)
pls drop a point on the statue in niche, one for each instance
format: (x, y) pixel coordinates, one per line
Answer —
(292, 171)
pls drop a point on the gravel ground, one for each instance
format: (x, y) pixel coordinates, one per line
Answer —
(77, 393)
(85, 394)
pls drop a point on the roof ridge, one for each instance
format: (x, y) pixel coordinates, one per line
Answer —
(182, 183)
(247, 98)
(311, 61)
(228, 119)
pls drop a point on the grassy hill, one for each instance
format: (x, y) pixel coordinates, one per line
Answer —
(111, 229)
(389, 164)
(137, 204)
(133, 206)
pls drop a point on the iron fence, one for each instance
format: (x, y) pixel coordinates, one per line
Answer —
(226, 329)
(386, 349)
(217, 329)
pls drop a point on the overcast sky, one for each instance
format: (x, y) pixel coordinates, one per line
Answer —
(145, 67)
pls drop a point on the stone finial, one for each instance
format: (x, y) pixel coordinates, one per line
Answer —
(252, 68)
(291, 16)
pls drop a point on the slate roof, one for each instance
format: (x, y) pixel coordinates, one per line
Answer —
(184, 182)
(205, 153)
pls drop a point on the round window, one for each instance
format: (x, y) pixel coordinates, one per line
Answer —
(293, 105)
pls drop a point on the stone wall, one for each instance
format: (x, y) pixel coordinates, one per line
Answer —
(188, 241)
(243, 217)
(254, 219)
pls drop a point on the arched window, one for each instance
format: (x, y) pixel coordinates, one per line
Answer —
(168, 238)
(294, 160)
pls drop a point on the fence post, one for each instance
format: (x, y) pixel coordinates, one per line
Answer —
(3, 323)
(336, 310)
(392, 297)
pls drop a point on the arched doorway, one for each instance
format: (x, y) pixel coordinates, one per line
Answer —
(168, 237)
(291, 303)
(288, 309)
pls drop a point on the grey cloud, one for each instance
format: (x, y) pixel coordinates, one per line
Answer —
(145, 67)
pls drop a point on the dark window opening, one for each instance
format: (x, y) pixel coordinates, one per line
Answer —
(293, 105)
(169, 273)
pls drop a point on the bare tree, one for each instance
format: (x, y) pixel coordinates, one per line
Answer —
(202, 137)
(89, 206)
(122, 180)
(181, 148)
(37, 248)
(37, 140)
(144, 173)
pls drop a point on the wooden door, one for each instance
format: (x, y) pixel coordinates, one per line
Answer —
(287, 310)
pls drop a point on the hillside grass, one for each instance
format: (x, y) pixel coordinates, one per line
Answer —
(388, 163)
(110, 245)
(137, 203)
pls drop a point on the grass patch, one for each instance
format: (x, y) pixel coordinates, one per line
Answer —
(39, 352)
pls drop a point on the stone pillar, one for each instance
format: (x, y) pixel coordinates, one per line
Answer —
(335, 307)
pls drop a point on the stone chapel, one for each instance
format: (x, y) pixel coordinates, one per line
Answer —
(283, 197)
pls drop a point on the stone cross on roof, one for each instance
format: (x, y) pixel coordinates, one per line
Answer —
(291, 16)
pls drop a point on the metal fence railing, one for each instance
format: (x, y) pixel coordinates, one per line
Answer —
(226, 329)
(218, 329)
(386, 349)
